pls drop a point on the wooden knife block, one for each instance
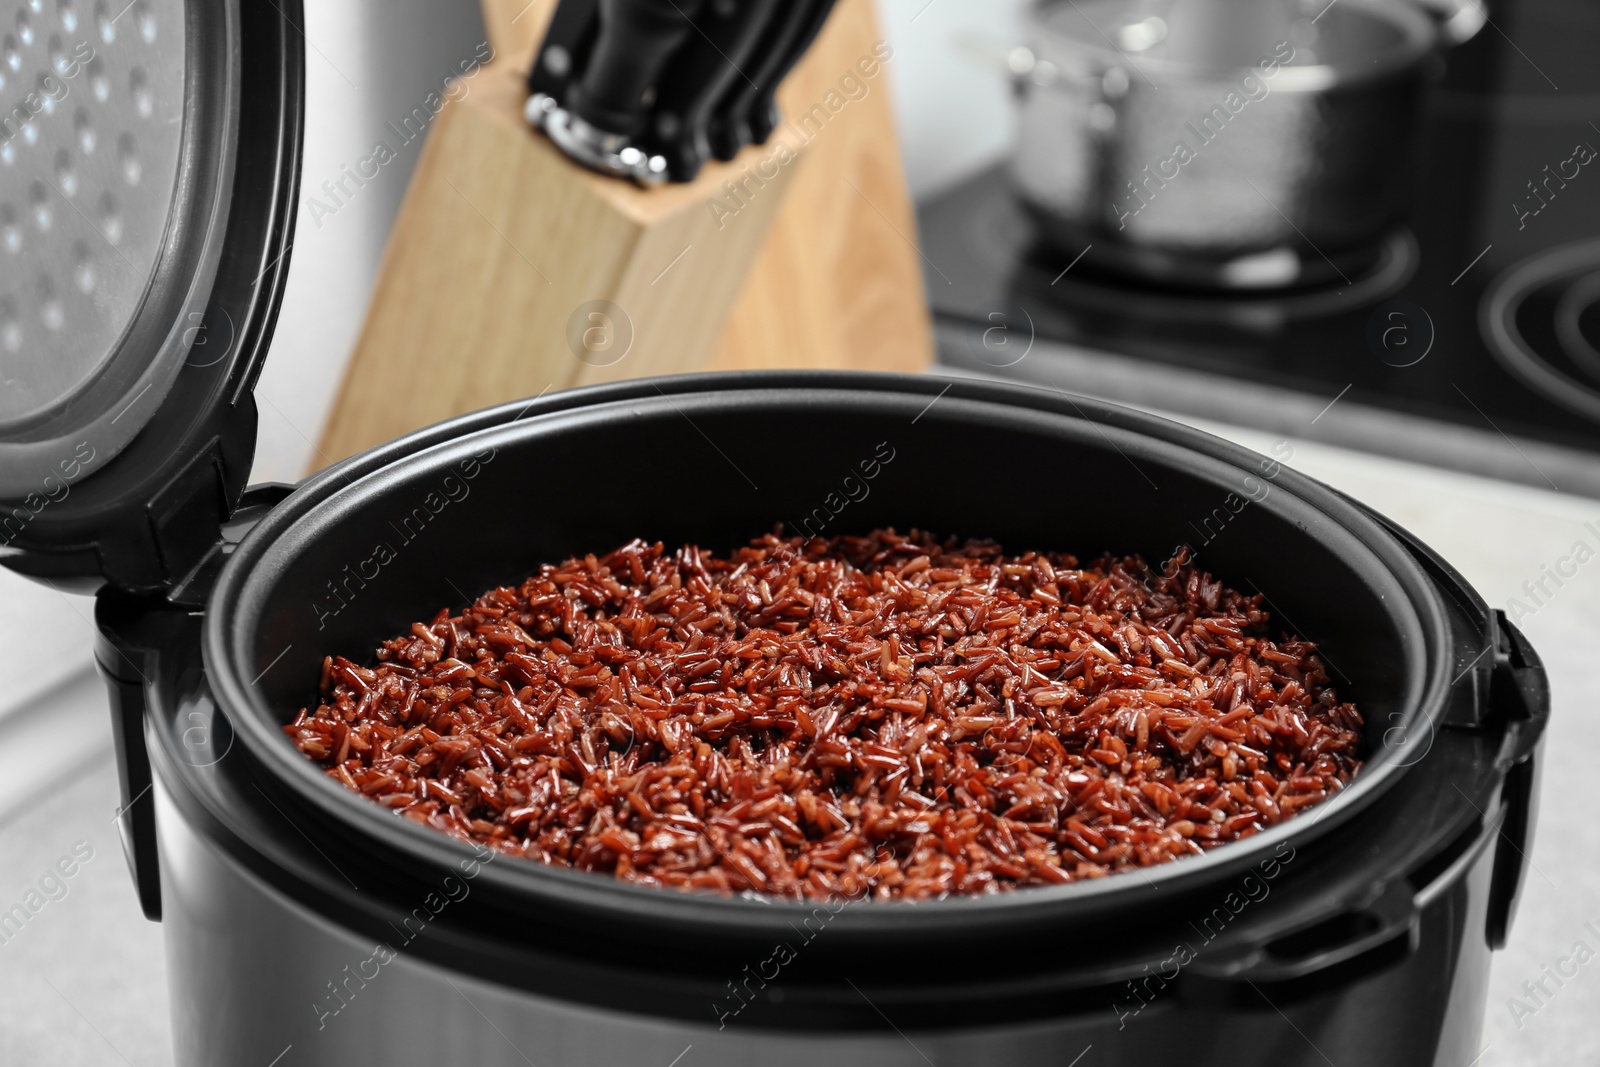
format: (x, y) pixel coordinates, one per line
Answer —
(507, 262)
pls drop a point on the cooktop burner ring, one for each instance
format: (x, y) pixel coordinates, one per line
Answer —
(1504, 337)
(1395, 264)
(1580, 297)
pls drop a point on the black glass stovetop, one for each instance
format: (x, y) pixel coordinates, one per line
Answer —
(1472, 342)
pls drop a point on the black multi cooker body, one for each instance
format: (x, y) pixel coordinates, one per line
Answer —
(303, 922)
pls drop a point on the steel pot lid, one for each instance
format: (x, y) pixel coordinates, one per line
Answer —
(1162, 42)
(148, 164)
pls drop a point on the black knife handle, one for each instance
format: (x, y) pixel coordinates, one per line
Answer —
(730, 32)
(564, 52)
(749, 112)
(764, 117)
(635, 40)
(729, 129)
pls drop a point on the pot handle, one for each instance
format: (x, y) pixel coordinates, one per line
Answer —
(1019, 63)
(1353, 942)
(1364, 939)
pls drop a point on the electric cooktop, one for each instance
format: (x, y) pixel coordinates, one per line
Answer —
(1472, 342)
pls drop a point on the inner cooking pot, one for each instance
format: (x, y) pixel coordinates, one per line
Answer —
(361, 551)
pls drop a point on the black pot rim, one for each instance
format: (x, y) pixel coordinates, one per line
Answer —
(231, 671)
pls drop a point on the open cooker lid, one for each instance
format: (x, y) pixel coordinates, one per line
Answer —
(149, 163)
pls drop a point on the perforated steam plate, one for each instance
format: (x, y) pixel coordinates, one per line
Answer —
(103, 193)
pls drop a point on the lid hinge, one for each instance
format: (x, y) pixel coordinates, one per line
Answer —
(186, 516)
(194, 588)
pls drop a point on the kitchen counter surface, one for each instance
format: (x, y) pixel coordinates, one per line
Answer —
(84, 981)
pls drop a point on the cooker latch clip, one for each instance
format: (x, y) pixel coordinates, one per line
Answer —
(1519, 695)
(128, 663)
(134, 630)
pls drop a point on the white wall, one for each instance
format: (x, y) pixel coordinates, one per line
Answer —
(369, 63)
(952, 106)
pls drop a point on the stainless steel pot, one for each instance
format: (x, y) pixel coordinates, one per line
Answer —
(1194, 142)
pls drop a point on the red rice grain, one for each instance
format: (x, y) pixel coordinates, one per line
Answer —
(883, 716)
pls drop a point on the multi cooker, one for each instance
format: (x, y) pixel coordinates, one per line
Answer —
(305, 923)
